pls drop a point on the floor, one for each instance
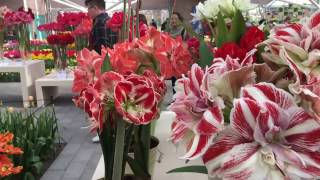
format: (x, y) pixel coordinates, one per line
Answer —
(80, 157)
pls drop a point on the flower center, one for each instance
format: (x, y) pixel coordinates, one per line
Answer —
(268, 157)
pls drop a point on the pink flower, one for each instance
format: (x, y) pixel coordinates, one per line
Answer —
(269, 137)
(195, 115)
(115, 22)
(136, 100)
(88, 69)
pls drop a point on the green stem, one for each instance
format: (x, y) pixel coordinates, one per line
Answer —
(146, 140)
(123, 30)
(119, 149)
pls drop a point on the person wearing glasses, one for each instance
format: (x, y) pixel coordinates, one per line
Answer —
(100, 34)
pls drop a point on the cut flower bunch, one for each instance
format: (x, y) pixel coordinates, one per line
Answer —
(121, 90)
(249, 117)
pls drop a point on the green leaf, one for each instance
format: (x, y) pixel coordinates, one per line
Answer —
(37, 167)
(135, 167)
(106, 66)
(238, 27)
(222, 33)
(205, 53)
(190, 169)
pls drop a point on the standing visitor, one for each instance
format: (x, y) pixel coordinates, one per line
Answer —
(154, 23)
(100, 34)
(176, 28)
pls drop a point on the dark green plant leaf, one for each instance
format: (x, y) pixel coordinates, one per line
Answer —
(190, 169)
(135, 167)
(222, 32)
(37, 167)
(238, 27)
(106, 66)
(205, 53)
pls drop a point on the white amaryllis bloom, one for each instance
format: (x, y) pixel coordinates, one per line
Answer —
(207, 10)
(210, 8)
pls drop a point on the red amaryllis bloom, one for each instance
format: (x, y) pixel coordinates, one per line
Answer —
(269, 137)
(122, 57)
(71, 53)
(53, 26)
(251, 38)
(158, 83)
(193, 43)
(136, 100)
(84, 28)
(53, 39)
(115, 22)
(230, 49)
(65, 39)
(88, 69)
(28, 12)
(197, 118)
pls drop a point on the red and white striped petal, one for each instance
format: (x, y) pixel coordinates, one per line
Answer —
(266, 91)
(245, 161)
(179, 131)
(219, 150)
(243, 117)
(198, 146)
(107, 81)
(211, 121)
(314, 20)
(304, 131)
(196, 75)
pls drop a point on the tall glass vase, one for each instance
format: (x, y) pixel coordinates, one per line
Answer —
(24, 41)
(60, 61)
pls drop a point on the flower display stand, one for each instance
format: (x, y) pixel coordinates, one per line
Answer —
(47, 86)
(166, 155)
(29, 71)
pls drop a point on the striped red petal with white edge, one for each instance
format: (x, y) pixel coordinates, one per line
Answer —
(314, 21)
(136, 103)
(205, 131)
(265, 91)
(107, 81)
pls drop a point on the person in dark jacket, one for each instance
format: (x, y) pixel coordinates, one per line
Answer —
(100, 34)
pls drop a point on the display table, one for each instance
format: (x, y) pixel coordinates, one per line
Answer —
(29, 71)
(47, 86)
(167, 156)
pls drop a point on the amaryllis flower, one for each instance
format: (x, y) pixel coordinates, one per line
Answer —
(296, 44)
(225, 77)
(269, 137)
(88, 69)
(84, 28)
(65, 39)
(195, 115)
(251, 38)
(136, 100)
(115, 22)
(307, 92)
(53, 39)
(53, 26)
(230, 49)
